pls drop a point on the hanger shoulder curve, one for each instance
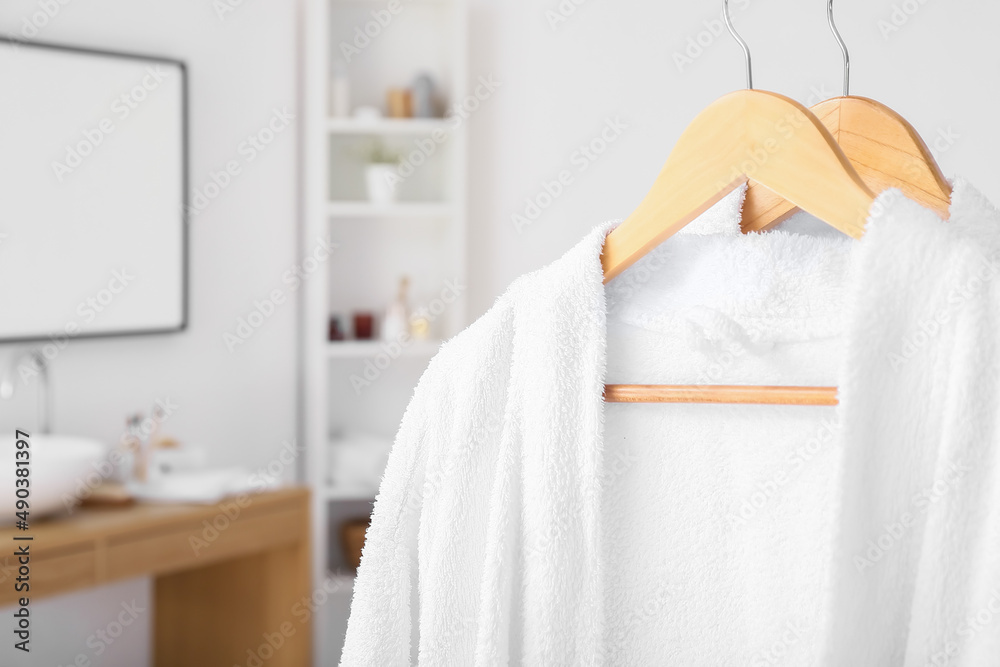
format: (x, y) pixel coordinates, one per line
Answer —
(748, 133)
(883, 147)
(893, 154)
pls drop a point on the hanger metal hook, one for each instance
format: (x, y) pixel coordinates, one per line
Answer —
(740, 41)
(843, 47)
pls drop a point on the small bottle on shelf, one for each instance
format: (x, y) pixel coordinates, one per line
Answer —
(396, 323)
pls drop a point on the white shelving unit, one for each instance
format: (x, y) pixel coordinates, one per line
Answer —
(421, 236)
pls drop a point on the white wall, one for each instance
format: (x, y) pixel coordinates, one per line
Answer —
(240, 406)
(616, 59)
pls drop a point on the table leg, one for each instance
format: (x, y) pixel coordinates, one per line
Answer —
(236, 612)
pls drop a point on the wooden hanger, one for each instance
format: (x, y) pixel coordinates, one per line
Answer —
(783, 146)
(883, 147)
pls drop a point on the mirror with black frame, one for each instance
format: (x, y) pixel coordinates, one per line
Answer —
(93, 181)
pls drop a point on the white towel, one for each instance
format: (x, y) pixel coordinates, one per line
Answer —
(485, 546)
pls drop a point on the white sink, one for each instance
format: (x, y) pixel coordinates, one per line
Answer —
(60, 466)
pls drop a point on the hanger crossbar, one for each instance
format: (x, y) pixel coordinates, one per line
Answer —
(720, 394)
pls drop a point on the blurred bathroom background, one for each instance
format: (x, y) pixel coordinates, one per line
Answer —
(363, 178)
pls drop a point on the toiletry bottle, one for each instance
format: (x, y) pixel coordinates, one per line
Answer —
(128, 450)
(139, 448)
(423, 97)
(399, 103)
(154, 443)
(396, 324)
(420, 327)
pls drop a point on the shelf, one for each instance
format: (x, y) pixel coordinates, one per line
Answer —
(386, 125)
(348, 493)
(363, 209)
(362, 349)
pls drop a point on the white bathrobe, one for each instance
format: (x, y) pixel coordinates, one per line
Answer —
(486, 540)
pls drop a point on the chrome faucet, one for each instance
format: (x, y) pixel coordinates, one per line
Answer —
(41, 366)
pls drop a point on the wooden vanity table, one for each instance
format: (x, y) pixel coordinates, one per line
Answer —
(225, 575)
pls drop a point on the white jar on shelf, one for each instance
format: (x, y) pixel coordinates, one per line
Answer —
(379, 182)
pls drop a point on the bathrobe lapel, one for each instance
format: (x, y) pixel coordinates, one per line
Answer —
(919, 409)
